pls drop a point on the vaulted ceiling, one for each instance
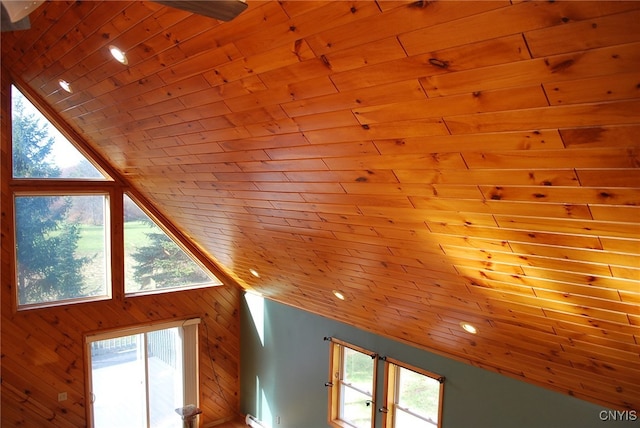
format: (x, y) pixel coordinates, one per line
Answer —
(435, 162)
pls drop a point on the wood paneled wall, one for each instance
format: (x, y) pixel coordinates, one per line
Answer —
(43, 350)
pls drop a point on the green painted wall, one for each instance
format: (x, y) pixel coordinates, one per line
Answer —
(283, 375)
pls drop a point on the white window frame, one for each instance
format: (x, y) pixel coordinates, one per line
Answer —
(189, 357)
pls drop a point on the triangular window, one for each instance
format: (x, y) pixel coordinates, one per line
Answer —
(153, 260)
(40, 150)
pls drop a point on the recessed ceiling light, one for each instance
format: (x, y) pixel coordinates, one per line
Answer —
(338, 294)
(468, 328)
(254, 273)
(118, 54)
(65, 85)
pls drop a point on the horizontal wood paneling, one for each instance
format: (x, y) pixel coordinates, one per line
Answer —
(437, 162)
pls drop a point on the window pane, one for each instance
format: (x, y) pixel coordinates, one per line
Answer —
(356, 388)
(405, 420)
(118, 382)
(40, 150)
(164, 350)
(60, 248)
(418, 393)
(358, 370)
(152, 260)
(354, 408)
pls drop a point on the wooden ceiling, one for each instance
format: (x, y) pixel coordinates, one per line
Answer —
(436, 162)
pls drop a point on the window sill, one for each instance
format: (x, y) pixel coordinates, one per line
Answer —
(66, 302)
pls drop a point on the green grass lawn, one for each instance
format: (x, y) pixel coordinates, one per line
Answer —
(135, 234)
(92, 244)
(92, 238)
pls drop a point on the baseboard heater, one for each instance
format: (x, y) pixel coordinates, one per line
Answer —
(252, 422)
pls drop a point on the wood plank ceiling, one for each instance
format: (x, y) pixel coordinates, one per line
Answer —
(436, 162)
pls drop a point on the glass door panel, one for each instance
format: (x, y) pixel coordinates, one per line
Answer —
(165, 377)
(118, 382)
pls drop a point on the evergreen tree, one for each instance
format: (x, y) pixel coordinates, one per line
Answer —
(162, 263)
(46, 243)
(32, 144)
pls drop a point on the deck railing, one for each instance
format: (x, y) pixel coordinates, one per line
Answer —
(160, 344)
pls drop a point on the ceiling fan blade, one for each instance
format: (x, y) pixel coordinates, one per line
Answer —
(19, 9)
(7, 25)
(224, 10)
(15, 14)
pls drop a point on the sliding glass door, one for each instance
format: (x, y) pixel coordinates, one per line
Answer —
(118, 378)
(139, 380)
